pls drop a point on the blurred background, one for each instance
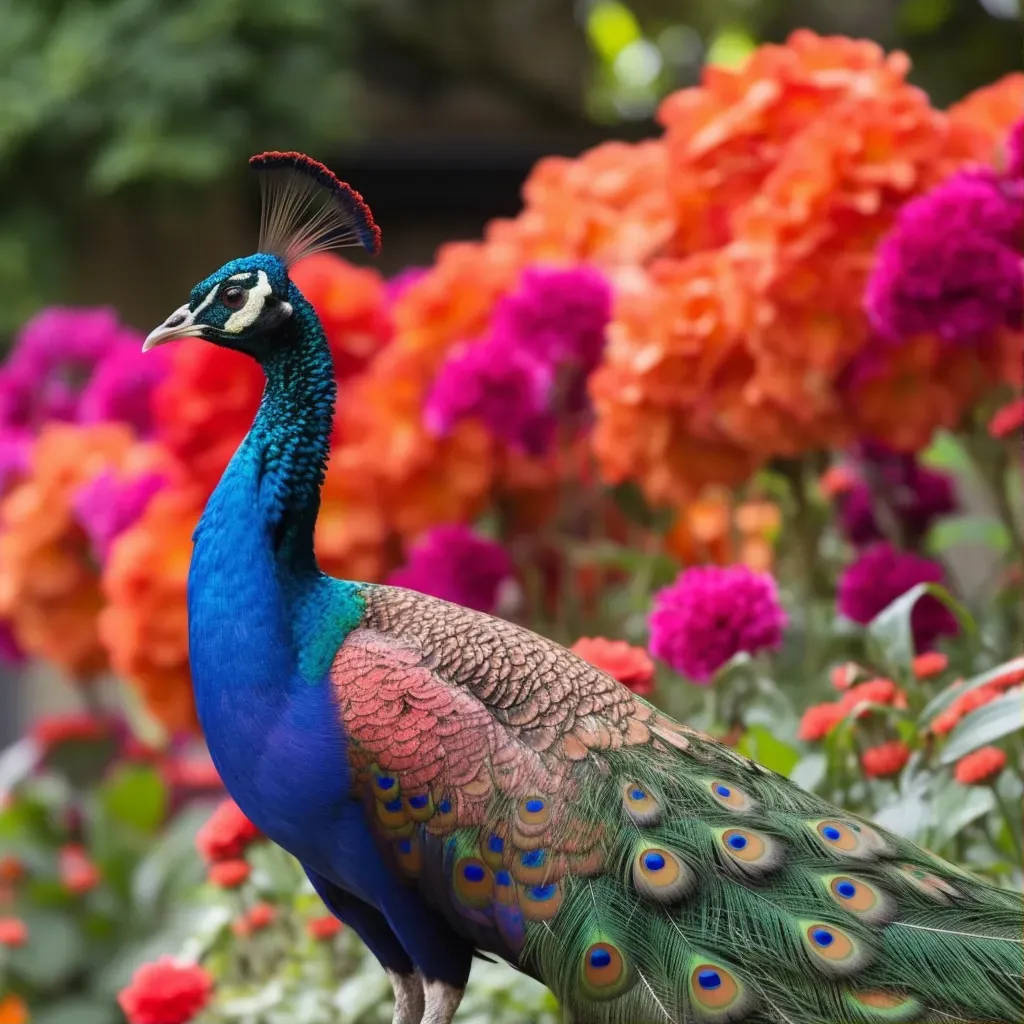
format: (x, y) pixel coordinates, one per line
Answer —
(125, 124)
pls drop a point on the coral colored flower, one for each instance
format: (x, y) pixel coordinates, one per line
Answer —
(630, 665)
(819, 720)
(837, 480)
(931, 663)
(166, 992)
(874, 691)
(879, 576)
(53, 730)
(261, 916)
(1007, 420)
(710, 614)
(503, 386)
(845, 675)
(979, 123)
(1012, 674)
(13, 1009)
(952, 263)
(323, 928)
(980, 766)
(78, 874)
(13, 932)
(963, 705)
(226, 834)
(458, 565)
(229, 874)
(12, 870)
(106, 506)
(885, 760)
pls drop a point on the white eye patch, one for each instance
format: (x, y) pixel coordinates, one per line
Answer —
(247, 315)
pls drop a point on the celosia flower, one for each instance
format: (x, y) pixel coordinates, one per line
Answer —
(1007, 420)
(13, 932)
(930, 663)
(107, 505)
(55, 355)
(963, 705)
(915, 496)
(879, 576)
(458, 565)
(630, 665)
(226, 834)
(874, 691)
(53, 730)
(229, 874)
(710, 614)
(819, 720)
(885, 760)
(1015, 152)
(952, 263)
(261, 916)
(1012, 674)
(165, 992)
(122, 386)
(78, 874)
(323, 928)
(396, 286)
(503, 386)
(980, 766)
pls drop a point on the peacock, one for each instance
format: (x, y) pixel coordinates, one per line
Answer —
(455, 785)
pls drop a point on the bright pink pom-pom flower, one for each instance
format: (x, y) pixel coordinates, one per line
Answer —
(879, 576)
(165, 992)
(710, 614)
(456, 564)
(106, 506)
(952, 263)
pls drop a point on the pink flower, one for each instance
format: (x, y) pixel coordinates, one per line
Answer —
(122, 386)
(879, 576)
(105, 507)
(710, 614)
(629, 665)
(456, 564)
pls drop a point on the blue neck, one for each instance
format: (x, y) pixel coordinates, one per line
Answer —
(253, 562)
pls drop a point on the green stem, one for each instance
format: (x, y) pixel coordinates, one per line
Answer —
(1015, 837)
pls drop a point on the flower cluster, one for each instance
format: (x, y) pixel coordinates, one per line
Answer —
(631, 666)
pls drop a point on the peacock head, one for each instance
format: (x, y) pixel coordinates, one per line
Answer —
(243, 305)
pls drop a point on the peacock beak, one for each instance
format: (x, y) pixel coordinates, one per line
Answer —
(180, 324)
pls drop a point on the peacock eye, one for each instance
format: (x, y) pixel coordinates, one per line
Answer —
(233, 297)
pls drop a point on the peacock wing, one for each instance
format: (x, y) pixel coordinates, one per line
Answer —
(643, 871)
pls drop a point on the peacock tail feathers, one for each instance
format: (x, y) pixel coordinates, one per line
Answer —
(641, 870)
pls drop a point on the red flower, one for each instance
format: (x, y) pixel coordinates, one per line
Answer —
(13, 932)
(929, 664)
(11, 870)
(165, 992)
(53, 730)
(874, 691)
(819, 720)
(259, 917)
(1007, 419)
(1013, 673)
(980, 766)
(323, 928)
(845, 675)
(630, 665)
(191, 773)
(884, 760)
(226, 834)
(77, 872)
(229, 874)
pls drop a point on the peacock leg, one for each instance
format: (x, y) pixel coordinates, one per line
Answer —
(408, 997)
(442, 1002)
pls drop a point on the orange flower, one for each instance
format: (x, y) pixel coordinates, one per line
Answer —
(78, 874)
(980, 122)
(630, 665)
(229, 874)
(885, 760)
(714, 529)
(323, 928)
(980, 767)
(49, 586)
(13, 1009)
(819, 720)
(13, 932)
(145, 623)
(931, 663)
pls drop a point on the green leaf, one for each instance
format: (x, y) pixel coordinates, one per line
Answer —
(54, 952)
(943, 700)
(890, 635)
(948, 453)
(987, 724)
(762, 746)
(962, 531)
(953, 809)
(136, 796)
(76, 1011)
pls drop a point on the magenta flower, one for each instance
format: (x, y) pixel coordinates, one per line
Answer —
(952, 263)
(711, 614)
(55, 355)
(122, 386)
(456, 564)
(1015, 153)
(105, 507)
(879, 576)
(502, 386)
(916, 496)
(395, 287)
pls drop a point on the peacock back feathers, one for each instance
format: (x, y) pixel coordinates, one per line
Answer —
(641, 870)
